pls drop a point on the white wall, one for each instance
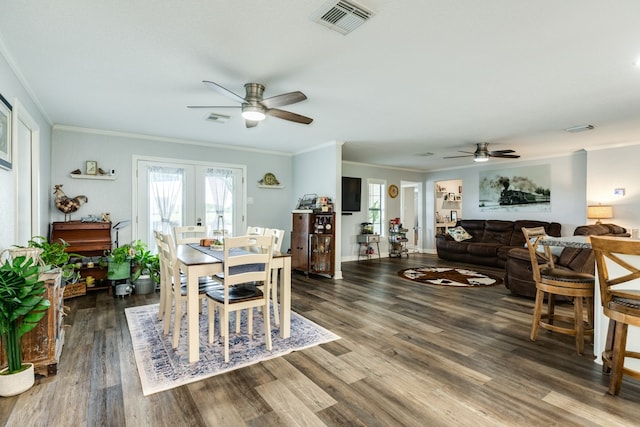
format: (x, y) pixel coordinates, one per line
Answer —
(610, 169)
(393, 208)
(72, 147)
(568, 192)
(11, 89)
(317, 172)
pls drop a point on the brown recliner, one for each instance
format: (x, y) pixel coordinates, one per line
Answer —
(518, 277)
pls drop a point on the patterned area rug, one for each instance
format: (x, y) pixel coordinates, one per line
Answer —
(449, 276)
(162, 368)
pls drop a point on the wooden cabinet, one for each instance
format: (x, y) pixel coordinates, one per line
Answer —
(313, 243)
(90, 240)
(42, 345)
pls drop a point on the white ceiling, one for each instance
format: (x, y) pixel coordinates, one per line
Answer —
(421, 76)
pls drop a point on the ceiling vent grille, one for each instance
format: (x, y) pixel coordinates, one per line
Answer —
(342, 16)
(218, 118)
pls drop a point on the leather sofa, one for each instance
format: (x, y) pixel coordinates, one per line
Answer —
(490, 242)
(518, 277)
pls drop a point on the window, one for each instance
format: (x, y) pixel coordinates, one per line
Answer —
(375, 204)
(179, 192)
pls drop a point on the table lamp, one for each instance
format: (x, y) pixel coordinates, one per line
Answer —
(599, 212)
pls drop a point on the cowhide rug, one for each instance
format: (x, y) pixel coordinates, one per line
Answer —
(449, 276)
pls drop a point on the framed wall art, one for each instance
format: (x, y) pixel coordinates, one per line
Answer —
(5, 133)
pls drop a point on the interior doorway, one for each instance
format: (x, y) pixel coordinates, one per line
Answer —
(411, 213)
(448, 204)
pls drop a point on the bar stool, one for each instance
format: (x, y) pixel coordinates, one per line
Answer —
(621, 306)
(552, 281)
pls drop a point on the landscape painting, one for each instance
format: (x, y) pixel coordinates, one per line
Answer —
(522, 189)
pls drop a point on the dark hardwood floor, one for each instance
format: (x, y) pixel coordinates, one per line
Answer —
(410, 355)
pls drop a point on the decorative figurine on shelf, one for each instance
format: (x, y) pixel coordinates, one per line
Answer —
(65, 204)
(269, 179)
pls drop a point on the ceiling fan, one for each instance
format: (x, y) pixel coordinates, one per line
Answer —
(255, 108)
(482, 153)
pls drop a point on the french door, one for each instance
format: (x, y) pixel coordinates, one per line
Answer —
(175, 192)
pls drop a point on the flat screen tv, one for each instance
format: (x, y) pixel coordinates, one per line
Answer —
(351, 192)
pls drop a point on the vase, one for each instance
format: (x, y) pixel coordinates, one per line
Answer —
(119, 270)
(19, 382)
(144, 285)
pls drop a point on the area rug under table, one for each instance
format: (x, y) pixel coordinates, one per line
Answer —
(162, 368)
(449, 276)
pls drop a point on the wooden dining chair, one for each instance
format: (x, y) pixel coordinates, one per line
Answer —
(247, 261)
(255, 231)
(278, 236)
(189, 234)
(552, 280)
(618, 264)
(164, 291)
(176, 287)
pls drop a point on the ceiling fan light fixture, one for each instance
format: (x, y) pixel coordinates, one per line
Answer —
(481, 157)
(254, 113)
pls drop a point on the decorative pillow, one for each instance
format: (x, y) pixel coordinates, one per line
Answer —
(459, 234)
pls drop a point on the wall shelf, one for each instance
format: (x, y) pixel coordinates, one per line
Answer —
(99, 177)
(271, 186)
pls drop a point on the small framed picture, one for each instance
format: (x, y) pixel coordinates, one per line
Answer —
(452, 196)
(92, 167)
(5, 133)
(454, 216)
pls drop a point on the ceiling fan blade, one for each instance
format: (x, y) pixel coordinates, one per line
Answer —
(250, 123)
(284, 99)
(505, 156)
(224, 91)
(288, 115)
(501, 152)
(214, 106)
(456, 157)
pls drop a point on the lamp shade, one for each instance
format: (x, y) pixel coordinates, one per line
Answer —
(599, 212)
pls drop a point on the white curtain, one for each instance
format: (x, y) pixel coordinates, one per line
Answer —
(219, 182)
(166, 189)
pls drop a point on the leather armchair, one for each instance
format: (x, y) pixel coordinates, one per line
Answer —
(518, 277)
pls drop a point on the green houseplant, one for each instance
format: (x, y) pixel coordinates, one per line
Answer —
(54, 256)
(145, 267)
(22, 306)
(119, 260)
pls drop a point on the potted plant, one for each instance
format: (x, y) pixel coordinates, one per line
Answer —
(119, 260)
(22, 306)
(145, 267)
(54, 256)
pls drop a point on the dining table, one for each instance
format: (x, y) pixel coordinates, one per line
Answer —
(601, 322)
(195, 264)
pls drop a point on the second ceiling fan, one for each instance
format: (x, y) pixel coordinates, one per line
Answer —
(255, 108)
(482, 153)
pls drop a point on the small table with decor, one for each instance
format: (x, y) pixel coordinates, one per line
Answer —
(196, 264)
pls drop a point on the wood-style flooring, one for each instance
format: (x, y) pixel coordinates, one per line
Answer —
(410, 355)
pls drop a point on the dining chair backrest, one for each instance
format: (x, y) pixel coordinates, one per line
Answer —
(247, 259)
(167, 253)
(278, 235)
(539, 259)
(255, 231)
(615, 252)
(189, 234)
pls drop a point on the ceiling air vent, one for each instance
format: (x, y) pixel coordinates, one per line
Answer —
(218, 118)
(342, 16)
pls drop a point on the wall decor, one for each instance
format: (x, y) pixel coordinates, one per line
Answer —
(5, 133)
(523, 189)
(92, 167)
